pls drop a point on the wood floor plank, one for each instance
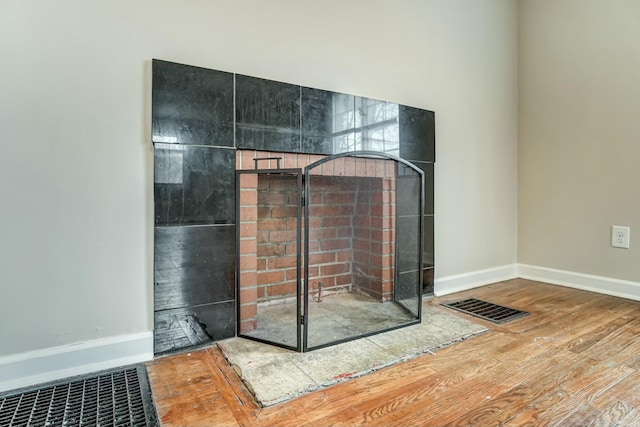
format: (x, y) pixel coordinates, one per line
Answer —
(574, 361)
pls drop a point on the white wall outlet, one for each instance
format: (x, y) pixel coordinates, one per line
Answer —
(620, 236)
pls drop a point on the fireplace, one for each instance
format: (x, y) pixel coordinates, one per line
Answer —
(329, 247)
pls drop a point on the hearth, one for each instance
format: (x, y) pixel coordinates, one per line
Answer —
(329, 247)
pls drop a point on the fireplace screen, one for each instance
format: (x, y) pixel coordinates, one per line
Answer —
(328, 252)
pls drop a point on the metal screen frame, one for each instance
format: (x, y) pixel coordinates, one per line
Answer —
(298, 173)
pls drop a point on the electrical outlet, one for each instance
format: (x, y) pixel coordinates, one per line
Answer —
(620, 236)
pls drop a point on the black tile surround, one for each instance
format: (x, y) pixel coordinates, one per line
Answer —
(193, 131)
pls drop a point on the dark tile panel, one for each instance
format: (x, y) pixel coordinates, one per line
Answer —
(429, 184)
(408, 191)
(344, 123)
(267, 115)
(408, 247)
(317, 120)
(428, 257)
(194, 265)
(194, 185)
(191, 105)
(417, 134)
(190, 327)
(377, 126)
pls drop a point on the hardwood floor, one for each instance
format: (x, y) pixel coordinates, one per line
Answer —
(575, 361)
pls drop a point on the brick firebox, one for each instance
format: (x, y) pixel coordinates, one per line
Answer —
(351, 230)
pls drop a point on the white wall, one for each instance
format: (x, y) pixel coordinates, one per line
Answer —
(76, 246)
(579, 139)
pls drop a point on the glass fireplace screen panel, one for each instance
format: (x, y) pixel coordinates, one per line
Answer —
(269, 306)
(351, 286)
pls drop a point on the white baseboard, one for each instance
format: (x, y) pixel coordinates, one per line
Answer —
(50, 364)
(586, 282)
(462, 282)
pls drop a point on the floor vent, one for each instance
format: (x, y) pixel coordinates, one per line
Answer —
(118, 398)
(486, 310)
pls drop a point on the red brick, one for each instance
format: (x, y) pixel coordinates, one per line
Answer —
(333, 244)
(272, 198)
(349, 166)
(387, 286)
(362, 221)
(290, 160)
(324, 210)
(382, 235)
(322, 233)
(334, 269)
(261, 291)
(343, 256)
(248, 262)
(361, 167)
(337, 221)
(371, 167)
(377, 209)
(282, 262)
(338, 166)
(327, 282)
(376, 222)
(248, 197)
(248, 229)
(266, 250)
(389, 184)
(347, 210)
(248, 246)
(315, 222)
(382, 247)
(363, 210)
(268, 224)
(292, 223)
(284, 211)
(264, 211)
(248, 311)
(248, 278)
(247, 159)
(314, 271)
(344, 232)
(270, 277)
(238, 160)
(380, 167)
(262, 236)
(388, 223)
(282, 236)
(322, 258)
(390, 169)
(291, 274)
(248, 213)
(361, 245)
(248, 295)
(317, 198)
(261, 264)
(344, 279)
(339, 198)
(279, 183)
(283, 289)
(290, 249)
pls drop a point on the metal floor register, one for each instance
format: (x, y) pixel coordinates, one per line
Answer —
(486, 310)
(116, 398)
